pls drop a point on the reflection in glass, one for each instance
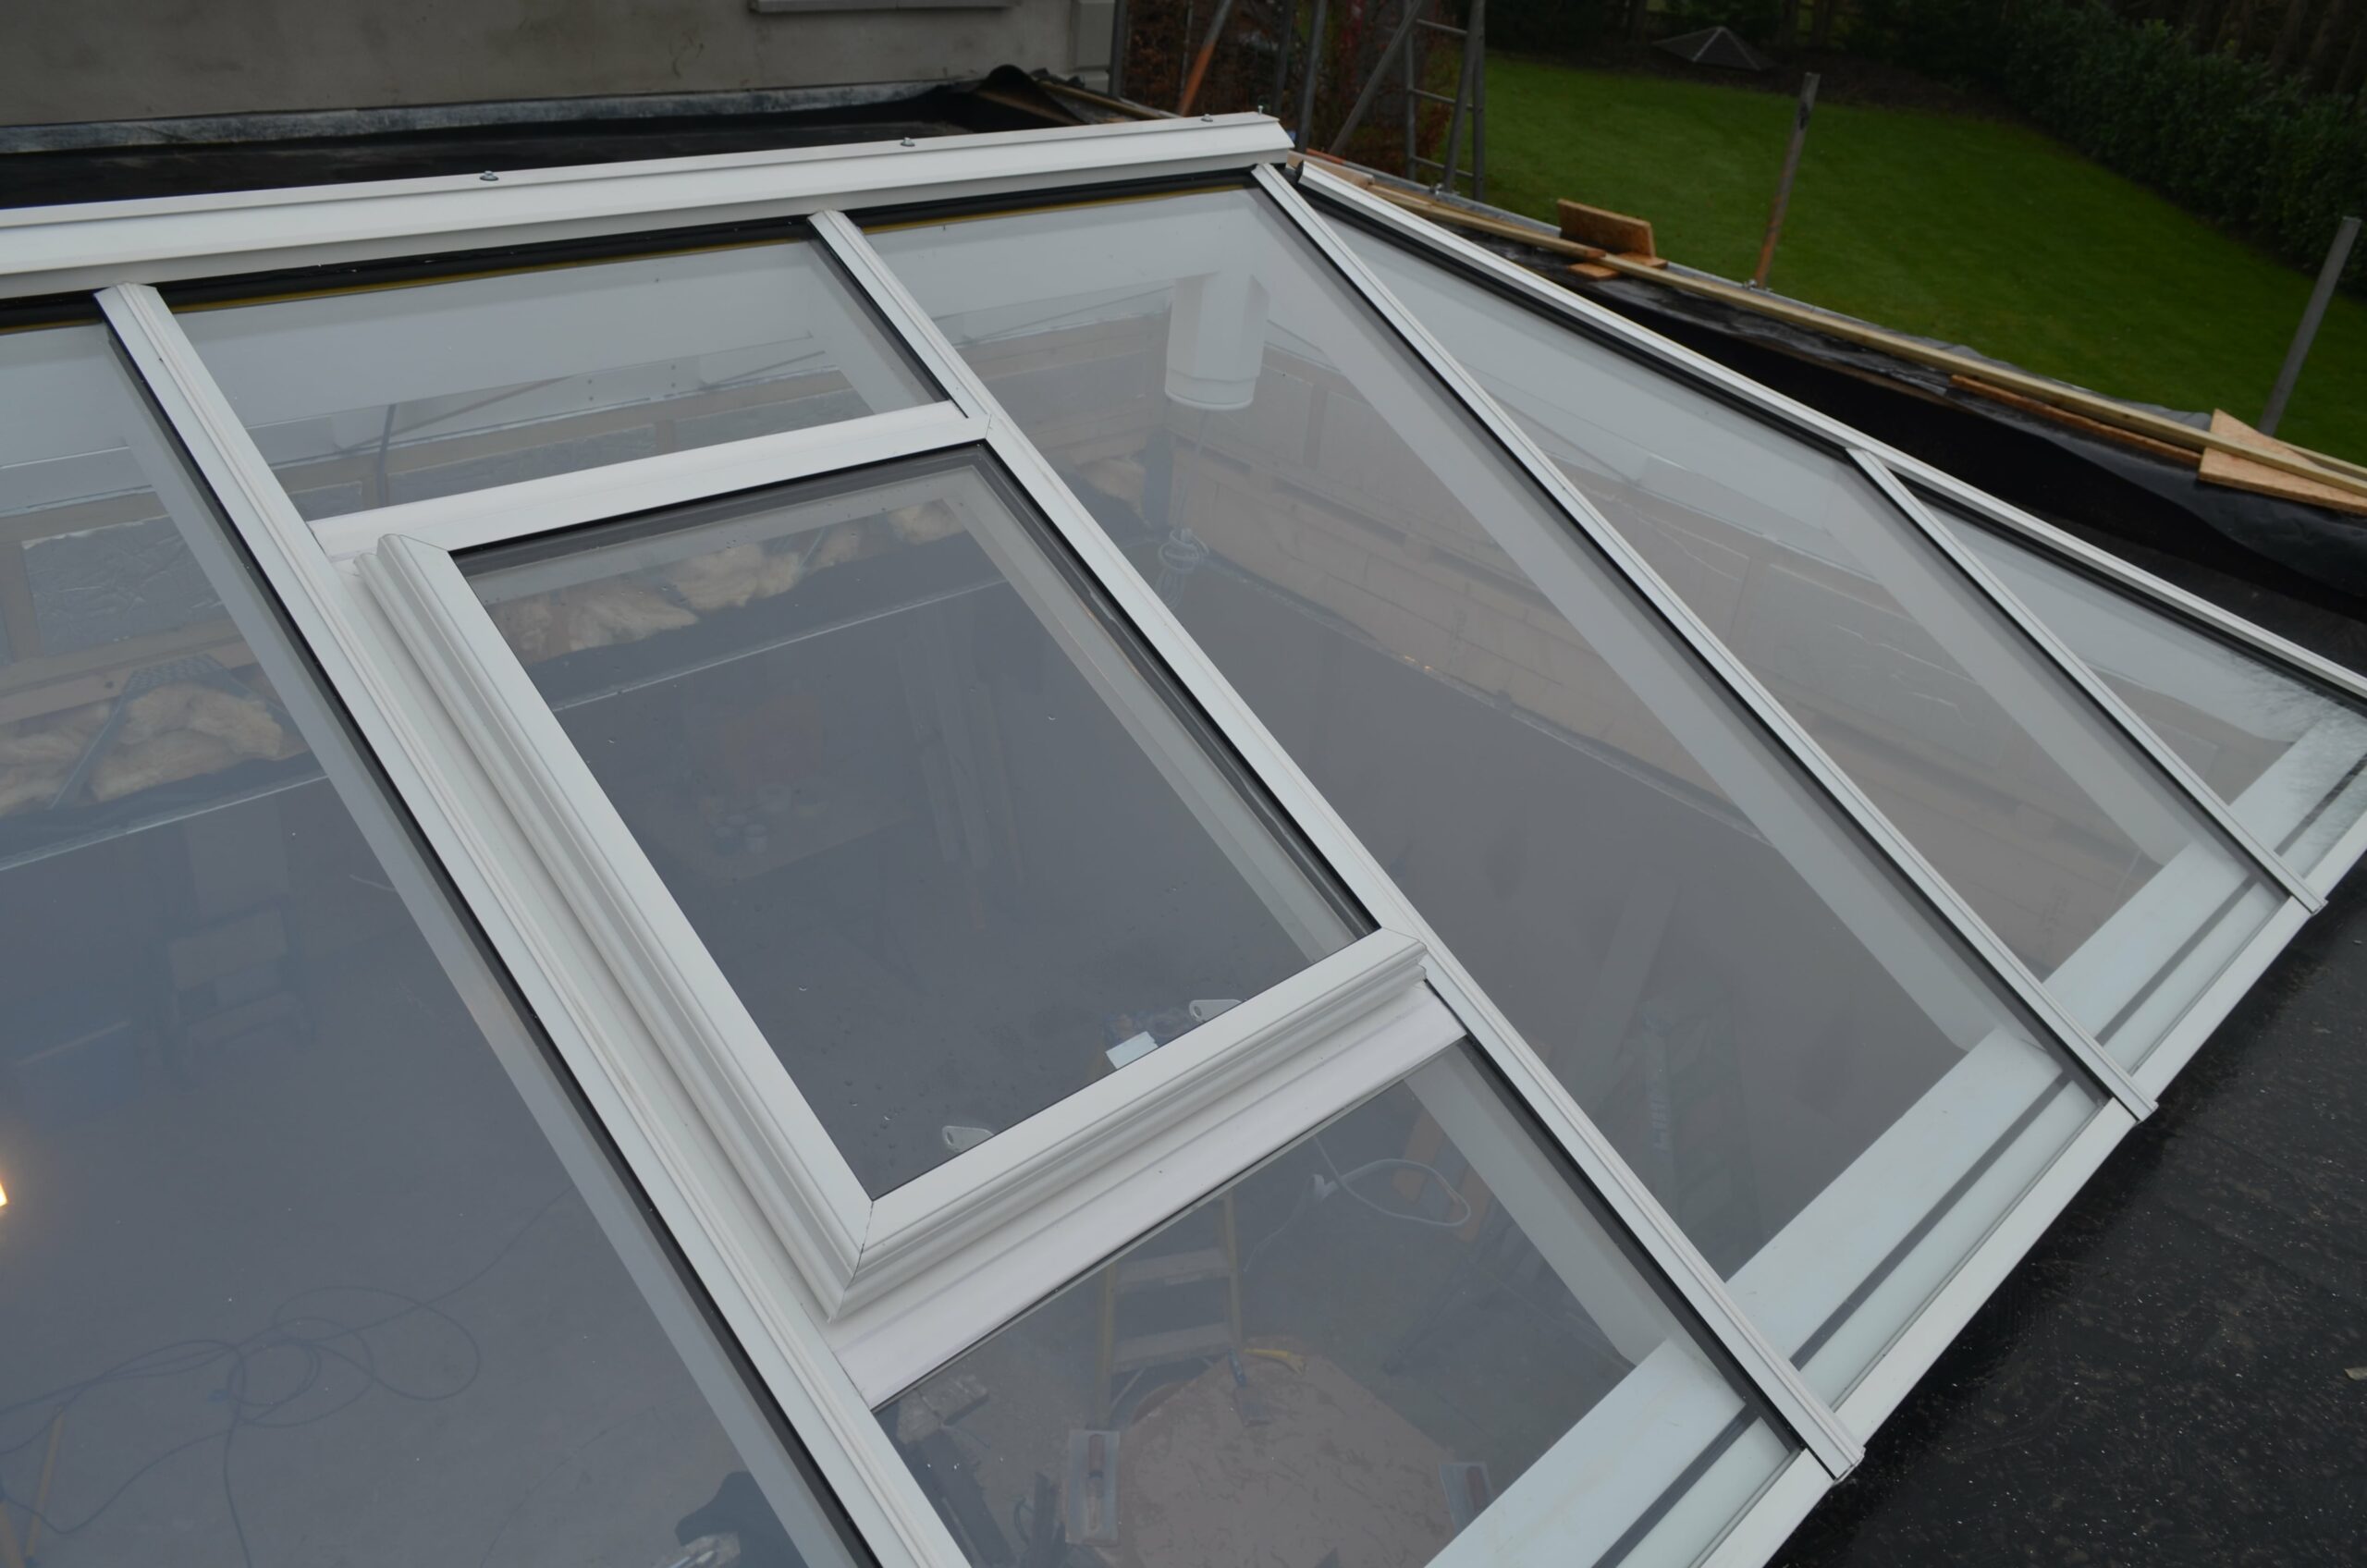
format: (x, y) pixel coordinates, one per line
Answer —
(292, 1275)
(1401, 1328)
(2105, 881)
(1819, 1090)
(2289, 757)
(856, 728)
(127, 692)
(376, 395)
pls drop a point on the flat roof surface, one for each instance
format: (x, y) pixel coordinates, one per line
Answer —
(2163, 1378)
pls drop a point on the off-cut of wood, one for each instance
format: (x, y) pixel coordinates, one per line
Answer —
(1334, 1469)
(2080, 422)
(1600, 226)
(2238, 473)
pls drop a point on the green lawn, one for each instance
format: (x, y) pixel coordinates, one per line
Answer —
(1968, 230)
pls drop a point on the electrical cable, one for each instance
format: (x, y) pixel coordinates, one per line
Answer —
(1346, 1185)
(1345, 1182)
(313, 1336)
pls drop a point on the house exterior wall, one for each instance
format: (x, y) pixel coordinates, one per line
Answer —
(80, 60)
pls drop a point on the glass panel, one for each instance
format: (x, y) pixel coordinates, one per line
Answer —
(128, 696)
(2287, 756)
(2107, 882)
(292, 1273)
(879, 748)
(380, 395)
(1815, 1083)
(1427, 1333)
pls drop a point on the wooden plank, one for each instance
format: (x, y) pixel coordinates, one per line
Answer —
(1175, 1345)
(1462, 217)
(2108, 411)
(2080, 422)
(1595, 271)
(1475, 1198)
(1600, 226)
(2247, 473)
(1421, 1147)
(1173, 1269)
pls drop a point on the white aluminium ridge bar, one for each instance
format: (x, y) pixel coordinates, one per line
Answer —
(754, 1286)
(90, 245)
(1999, 961)
(503, 512)
(2075, 668)
(1461, 253)
(1670, 1252)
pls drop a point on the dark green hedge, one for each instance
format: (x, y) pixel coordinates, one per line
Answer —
(2222, 137)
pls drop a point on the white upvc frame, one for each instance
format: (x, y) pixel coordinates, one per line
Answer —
(1624, 1193)
(2204, 1013)
(1895, 470)
(93, 245)
(956, 1230)
(500, 512)
(2003, 965)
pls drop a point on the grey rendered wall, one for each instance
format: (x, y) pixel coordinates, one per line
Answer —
(72, 60)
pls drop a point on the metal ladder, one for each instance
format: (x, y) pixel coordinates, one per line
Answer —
(1468, 105)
